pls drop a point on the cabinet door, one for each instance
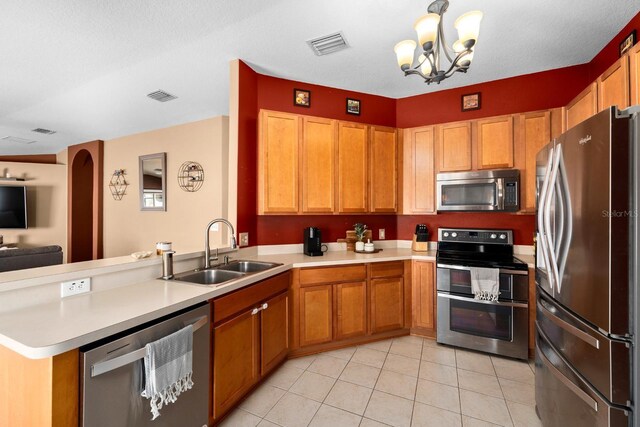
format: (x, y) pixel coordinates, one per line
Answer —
(423, 299)
(583, 106)
(352, 167)
(235, 360)
(318, 172)
(387, 304)
(634, 74)
(351, 309)
(454, 147)
(274, 332)
(383, 165)
(495, 142)
(316, 315)
(535, 133)
(613, 85)
(278, 162)
(419, 167)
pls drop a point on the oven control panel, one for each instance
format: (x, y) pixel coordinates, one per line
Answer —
(504, 237)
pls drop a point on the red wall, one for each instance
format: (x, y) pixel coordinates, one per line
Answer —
(538, 91)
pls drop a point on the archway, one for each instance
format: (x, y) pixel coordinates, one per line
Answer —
(82, 216)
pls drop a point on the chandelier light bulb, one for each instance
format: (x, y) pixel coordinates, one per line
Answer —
(427, 29)
(459, 47)
(468, 26)
(404, 53)
(426, 65)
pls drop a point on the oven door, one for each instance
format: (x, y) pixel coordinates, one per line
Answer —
(471, 195)
(494, 327)
(514, 284)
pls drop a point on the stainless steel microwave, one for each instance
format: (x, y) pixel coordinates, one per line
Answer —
(490, 190)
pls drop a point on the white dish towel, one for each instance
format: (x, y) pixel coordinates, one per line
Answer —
(168, 366)
(485, 283)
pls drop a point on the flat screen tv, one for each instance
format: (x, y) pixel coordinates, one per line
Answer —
(13, 206)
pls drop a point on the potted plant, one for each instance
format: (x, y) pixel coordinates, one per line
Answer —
(360, 230)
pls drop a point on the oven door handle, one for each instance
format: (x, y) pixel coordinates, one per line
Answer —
(479, 301)
(502, 270)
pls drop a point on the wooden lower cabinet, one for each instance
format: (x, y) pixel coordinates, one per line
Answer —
(387, 304)
(351, 310)
(423, 288)
(274, 333)
(316, 315)
(235, 360)
(250, 339)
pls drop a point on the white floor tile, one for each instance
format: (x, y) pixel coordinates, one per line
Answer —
(438, 395)
(407, 348)
(240, 418)
(474, 422)
(402, 364)
(328, 416)
(474, 362)
(293, 411)
(262, 400)
(384, 345)
(486, 408)
(389, 409)
(284, 377)
(369, 357)
(442, 355)
(328, 366)
(312, 385)
(439, 373)
(518, 392)
(341, 353)
(397, 384)
(513, 370)
(430, 416)
(350, 397)
(301, 362)
(360, 374)
(523, 415)
(481, 383)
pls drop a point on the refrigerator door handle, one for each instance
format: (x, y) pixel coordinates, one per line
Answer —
(566, 218)
(553, 266)
(568, 383)
(567, 326)
(541, 217)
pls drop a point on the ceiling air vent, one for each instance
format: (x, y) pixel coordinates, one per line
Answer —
(43, 131)
(161, 96)
(328, 44)
(16, 140)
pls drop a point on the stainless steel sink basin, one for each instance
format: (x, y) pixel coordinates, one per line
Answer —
(208, 277)
(247, 266)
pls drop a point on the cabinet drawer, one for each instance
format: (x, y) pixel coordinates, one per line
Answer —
(349, 273)
(387, 269)
(244, 298)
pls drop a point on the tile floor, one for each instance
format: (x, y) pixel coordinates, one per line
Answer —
(407, 381)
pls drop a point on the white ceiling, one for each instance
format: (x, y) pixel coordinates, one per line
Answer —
(83, 67)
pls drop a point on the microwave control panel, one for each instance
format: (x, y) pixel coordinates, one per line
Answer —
(511, 193)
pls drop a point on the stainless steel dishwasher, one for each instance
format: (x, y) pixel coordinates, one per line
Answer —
(113, 376)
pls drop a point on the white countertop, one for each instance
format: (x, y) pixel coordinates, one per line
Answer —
(52, 328)
(49, 329)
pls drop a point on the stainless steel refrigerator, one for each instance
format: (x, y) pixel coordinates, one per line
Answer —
(587, 273)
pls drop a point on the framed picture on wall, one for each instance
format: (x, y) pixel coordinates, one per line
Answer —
(628, 43)
(471, 101)
(353, 106)
(302, 98)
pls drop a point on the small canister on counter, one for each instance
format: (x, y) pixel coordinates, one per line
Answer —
(162, 247)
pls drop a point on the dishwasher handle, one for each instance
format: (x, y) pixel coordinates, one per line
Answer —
(117, 362)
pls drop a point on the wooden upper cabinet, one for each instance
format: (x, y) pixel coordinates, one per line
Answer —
(350, 309)
(454, 147)
(419, 170)
(495, 142)
(318, 170)
(386, 304)
(534, 133)
(383, 170)
(352, 159)
(274, 333)
(423, 296)
(278, 162)
(613, 85)
(634, 74)
(582, 106)
(316, 315)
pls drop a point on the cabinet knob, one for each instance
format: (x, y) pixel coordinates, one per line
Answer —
(254, 311)
(265, 306)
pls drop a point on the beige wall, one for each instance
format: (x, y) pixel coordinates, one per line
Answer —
(127, 229)
(46, 204)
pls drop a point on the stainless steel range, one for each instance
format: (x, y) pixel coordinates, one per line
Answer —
(499, 327)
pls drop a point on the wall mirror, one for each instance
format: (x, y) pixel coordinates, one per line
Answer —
(153, 182)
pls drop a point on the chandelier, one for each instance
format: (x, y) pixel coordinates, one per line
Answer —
(431, 39)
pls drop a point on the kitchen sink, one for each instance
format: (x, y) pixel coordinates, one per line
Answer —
(248, 266)
(223, 273)
(208, 277)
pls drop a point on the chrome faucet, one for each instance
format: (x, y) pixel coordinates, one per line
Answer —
(207, 249)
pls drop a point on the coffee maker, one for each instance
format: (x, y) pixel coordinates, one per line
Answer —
(312, 243)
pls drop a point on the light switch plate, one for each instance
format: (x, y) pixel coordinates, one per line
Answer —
(381, 234)
(244, 239)
(74, 287)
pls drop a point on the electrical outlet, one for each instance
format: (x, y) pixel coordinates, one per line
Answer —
(74, 287)
(244, 239)
(381, 234)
